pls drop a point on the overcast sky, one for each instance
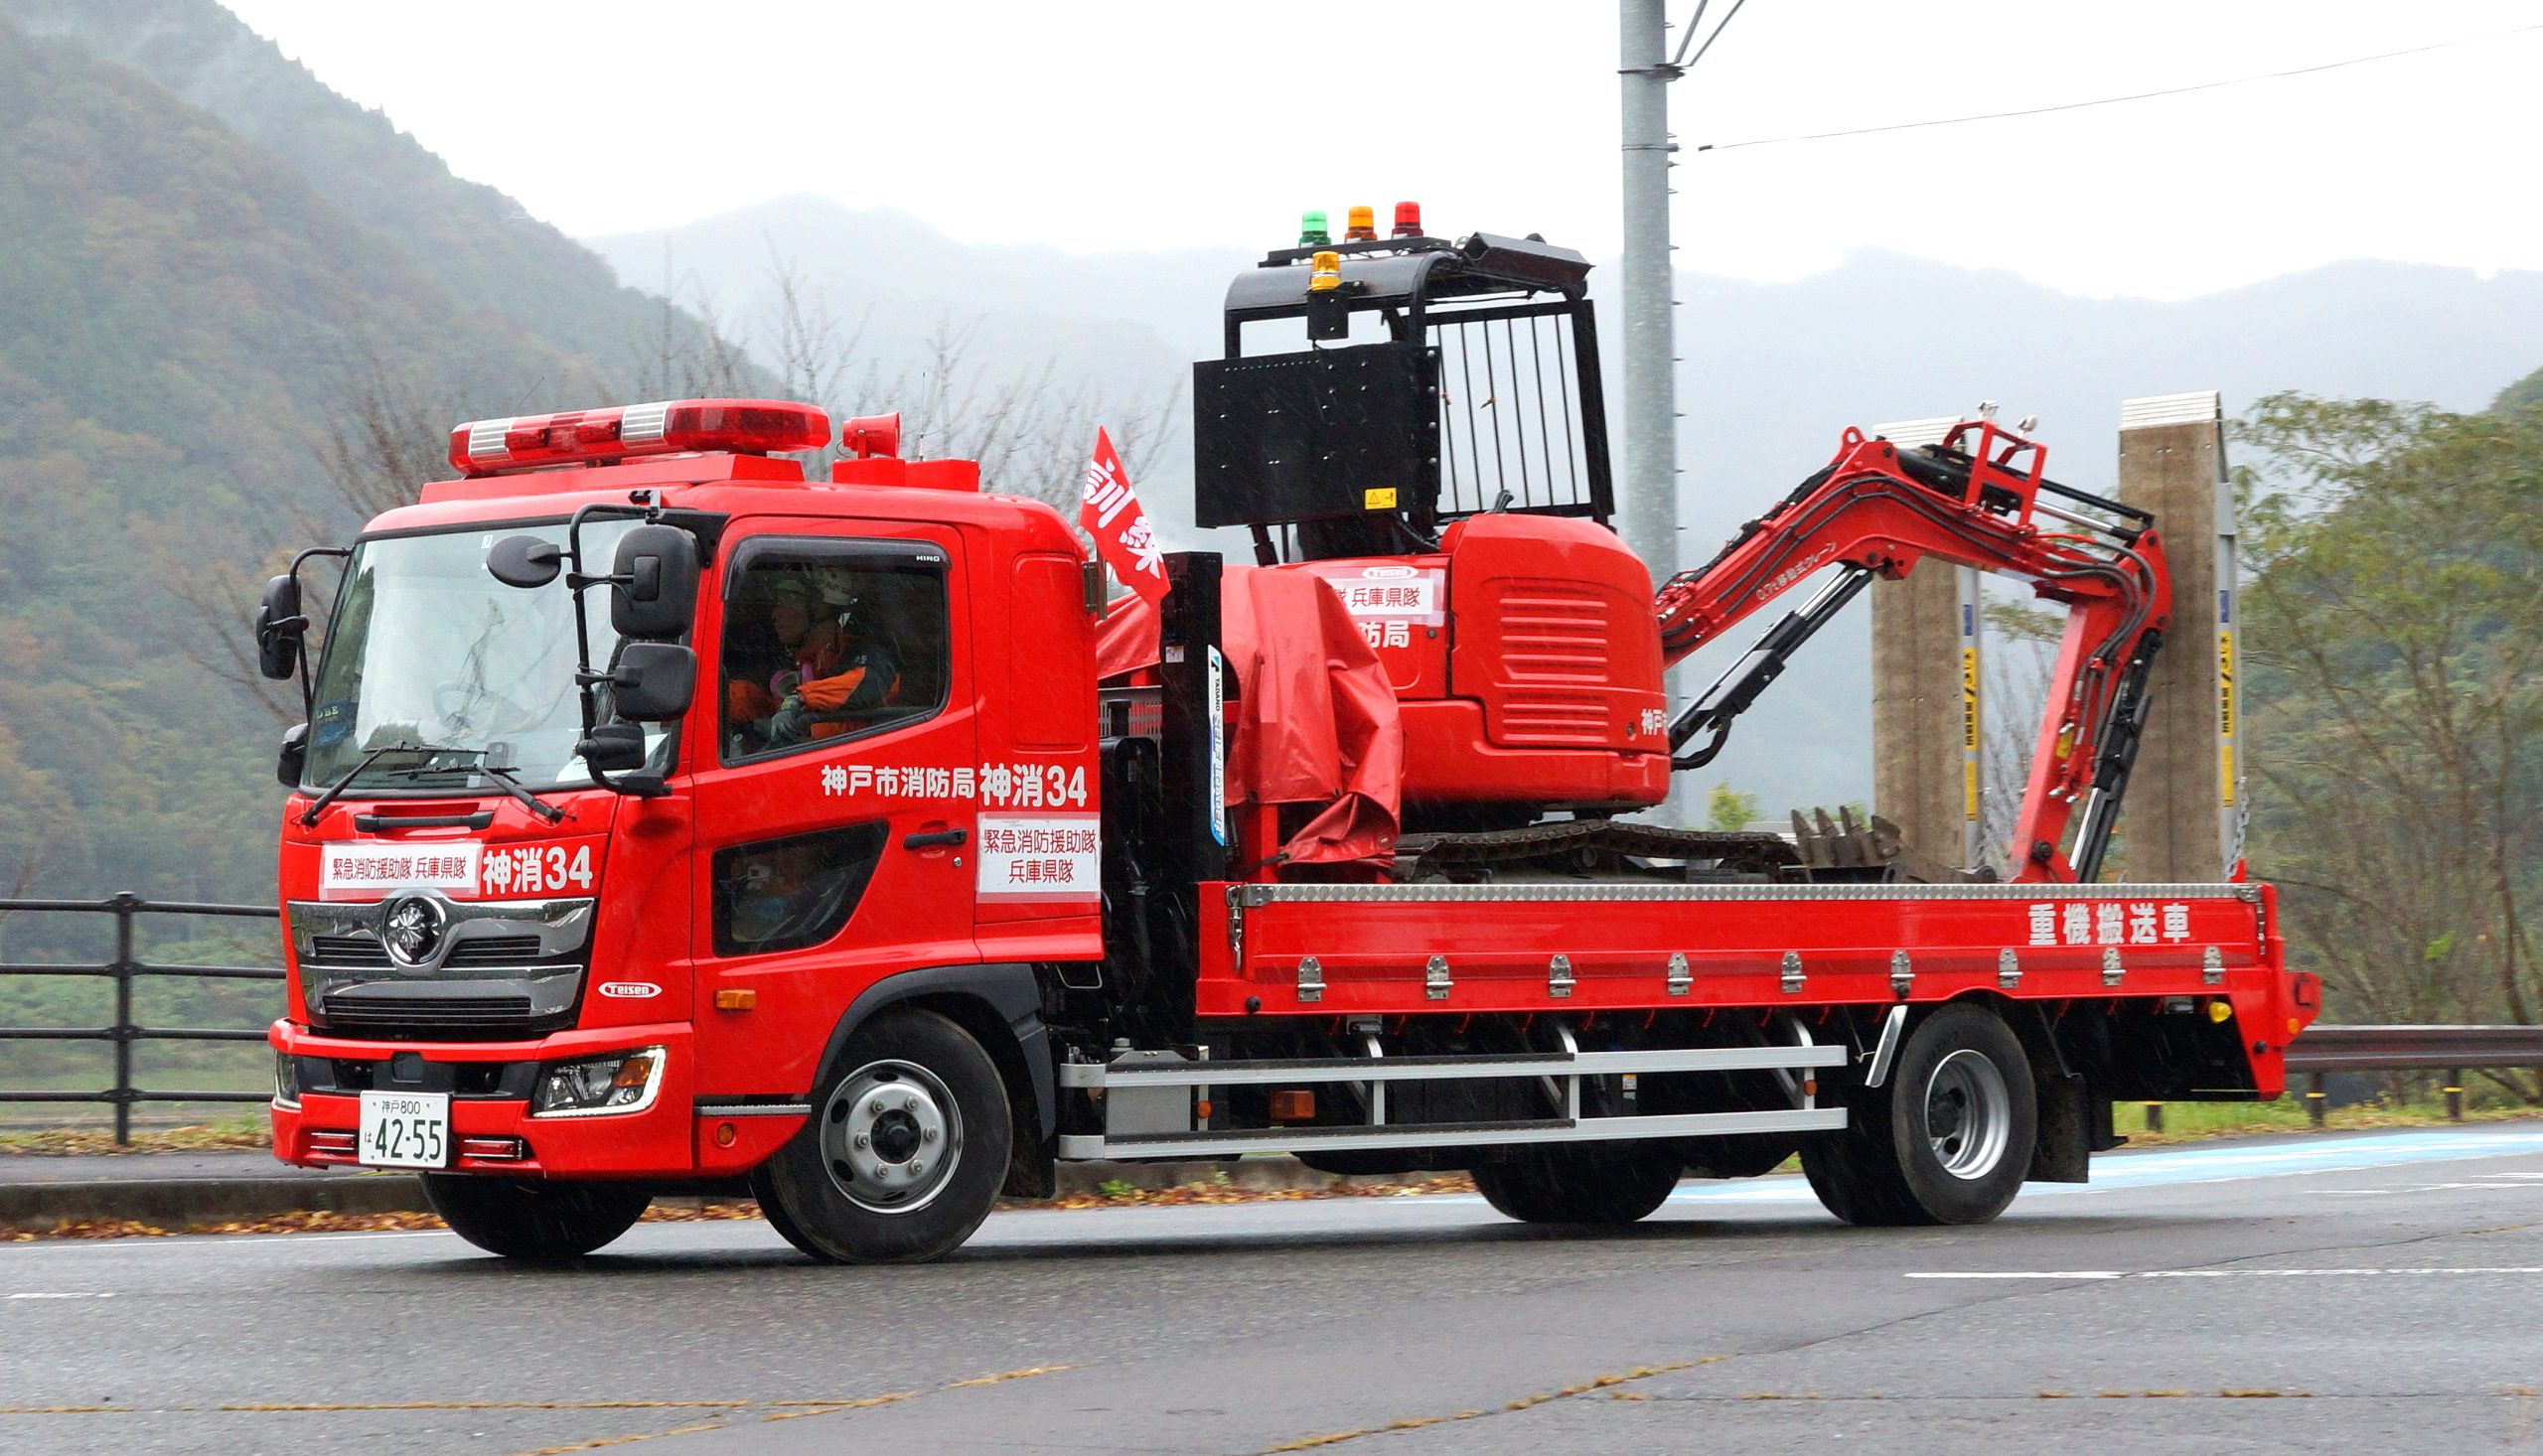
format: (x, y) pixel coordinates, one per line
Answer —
(1097, 123)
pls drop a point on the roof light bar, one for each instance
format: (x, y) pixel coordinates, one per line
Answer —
(666, 427)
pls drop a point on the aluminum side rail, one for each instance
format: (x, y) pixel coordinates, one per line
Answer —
(1151, 1088)
(1433, 1069)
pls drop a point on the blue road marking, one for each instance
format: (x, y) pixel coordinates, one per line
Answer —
(2166, 1167)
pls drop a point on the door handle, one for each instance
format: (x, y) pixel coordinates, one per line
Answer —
(936, 838)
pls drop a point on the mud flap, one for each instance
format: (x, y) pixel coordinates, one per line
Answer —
(2074, 1124)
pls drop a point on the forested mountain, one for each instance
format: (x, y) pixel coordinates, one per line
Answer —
(479, 247)
(201, 290)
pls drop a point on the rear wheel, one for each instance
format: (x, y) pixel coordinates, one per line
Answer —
(525, 1219)
(1579, 1182)
(1947, 1141)
(905, 1150)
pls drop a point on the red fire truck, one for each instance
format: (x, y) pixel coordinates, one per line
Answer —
(667, 819)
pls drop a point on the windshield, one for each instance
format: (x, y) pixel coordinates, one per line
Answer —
(428, 652)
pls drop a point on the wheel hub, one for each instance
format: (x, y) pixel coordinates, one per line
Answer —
(891, 1136)
(1968, 1114)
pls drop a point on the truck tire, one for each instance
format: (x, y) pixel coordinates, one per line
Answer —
(1579, 1182)
(1946, 1141)
(527, 1219)
(905, 1150)
(770, 1209)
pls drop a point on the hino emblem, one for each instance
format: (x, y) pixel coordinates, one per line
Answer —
(411, 929)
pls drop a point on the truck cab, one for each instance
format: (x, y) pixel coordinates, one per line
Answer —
(874, 788)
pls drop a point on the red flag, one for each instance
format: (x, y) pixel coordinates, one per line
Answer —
(1110, 513)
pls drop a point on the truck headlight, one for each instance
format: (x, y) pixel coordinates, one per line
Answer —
(286, 1079)
(623, 1082)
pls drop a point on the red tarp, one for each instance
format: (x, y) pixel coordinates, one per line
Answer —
(1317, 718)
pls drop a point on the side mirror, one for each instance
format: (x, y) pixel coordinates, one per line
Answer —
(524, 562)
(280, 627)
(294, 757)
(653, 682)
(657, 591)
(613, 748)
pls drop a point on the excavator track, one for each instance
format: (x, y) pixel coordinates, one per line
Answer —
(1821, 849)
(1599, 849)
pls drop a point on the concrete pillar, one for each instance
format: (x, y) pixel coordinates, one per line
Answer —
(1918, 781)
(2182, 816)
(1925, 708)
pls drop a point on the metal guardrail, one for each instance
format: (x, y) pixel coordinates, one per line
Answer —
(125, 969)
(2324, 1049)
(2452, 1050)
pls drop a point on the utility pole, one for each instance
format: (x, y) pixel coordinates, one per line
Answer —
(1650, 343)
(1650, 505)
(1650, 295)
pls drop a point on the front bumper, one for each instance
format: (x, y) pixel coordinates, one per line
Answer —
(491, 1126)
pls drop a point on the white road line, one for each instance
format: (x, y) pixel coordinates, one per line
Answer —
(2209, 1273)
(197, 1241)
(2025, 1274)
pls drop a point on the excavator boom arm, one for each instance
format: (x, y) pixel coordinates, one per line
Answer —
(1974, 500)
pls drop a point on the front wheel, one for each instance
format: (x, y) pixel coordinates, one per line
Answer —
(1579, 1182)
(905, 1151)
(1947, 1141)
(526, 1220)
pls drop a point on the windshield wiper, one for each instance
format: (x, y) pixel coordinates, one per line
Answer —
(507, 780)
(335, 790)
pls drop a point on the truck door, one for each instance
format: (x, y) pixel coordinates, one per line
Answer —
(834, 812)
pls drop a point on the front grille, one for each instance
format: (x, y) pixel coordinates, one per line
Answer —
(356, 1011)
(347, 951)
(494, 951)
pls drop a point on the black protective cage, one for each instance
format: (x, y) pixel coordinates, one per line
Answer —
(1484, 395)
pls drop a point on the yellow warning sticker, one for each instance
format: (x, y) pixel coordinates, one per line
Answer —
(1969, 733)
(1969, 699)
(2225, 715)
(1380, 498)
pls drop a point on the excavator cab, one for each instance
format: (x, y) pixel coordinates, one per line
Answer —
(1437, 452)
(1439, 380)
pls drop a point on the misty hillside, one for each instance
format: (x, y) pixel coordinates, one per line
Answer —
(1771, 372)
(474, 244)
(187, 318)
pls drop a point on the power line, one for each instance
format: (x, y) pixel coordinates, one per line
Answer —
(2206, 86)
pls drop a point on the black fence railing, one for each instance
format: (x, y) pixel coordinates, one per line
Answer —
(124, 968)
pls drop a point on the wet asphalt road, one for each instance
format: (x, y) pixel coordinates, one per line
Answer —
(2356, 1294)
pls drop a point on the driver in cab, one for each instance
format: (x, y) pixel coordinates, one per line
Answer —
(829, 669)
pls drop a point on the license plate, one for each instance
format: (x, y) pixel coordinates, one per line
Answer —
(404, 1130)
